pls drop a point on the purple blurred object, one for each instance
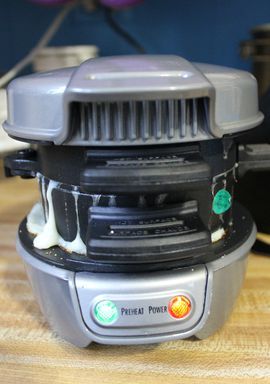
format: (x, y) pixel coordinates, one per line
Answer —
(119, 3)
(50, 2)
(107, 3)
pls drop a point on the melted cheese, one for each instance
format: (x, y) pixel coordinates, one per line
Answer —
(46, 231)
(217, 235)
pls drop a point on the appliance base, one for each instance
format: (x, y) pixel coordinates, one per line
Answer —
(62, 294)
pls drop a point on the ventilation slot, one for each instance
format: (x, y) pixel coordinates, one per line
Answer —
(144, 121)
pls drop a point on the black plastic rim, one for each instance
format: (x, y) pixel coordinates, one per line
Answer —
(240, 232)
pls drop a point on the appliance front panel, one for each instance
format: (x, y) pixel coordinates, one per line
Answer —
(142, 304)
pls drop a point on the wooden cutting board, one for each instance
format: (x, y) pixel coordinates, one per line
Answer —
(31, 353)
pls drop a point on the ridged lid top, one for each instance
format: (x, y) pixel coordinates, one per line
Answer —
(132, 100)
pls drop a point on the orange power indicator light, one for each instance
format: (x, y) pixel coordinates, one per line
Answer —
(179, 307)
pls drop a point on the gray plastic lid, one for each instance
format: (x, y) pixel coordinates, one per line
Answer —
(132, 100)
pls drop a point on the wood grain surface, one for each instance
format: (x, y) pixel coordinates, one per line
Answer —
(31, 353)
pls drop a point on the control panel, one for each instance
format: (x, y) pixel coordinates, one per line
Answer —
(143, 303)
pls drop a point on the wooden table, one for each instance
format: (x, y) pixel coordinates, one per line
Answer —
(31, 353)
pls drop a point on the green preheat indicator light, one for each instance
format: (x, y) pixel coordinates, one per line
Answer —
(106, 312)
(222, 201)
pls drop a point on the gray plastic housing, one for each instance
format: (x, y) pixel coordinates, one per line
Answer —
(132, 100)
(63, 297)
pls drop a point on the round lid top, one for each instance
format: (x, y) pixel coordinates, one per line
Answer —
(132, 100)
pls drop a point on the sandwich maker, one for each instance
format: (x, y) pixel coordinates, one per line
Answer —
(137, 237)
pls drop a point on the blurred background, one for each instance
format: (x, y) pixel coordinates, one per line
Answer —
(204, 31)
(207, 31)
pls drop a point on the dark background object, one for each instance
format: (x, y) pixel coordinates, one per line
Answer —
(258, 49)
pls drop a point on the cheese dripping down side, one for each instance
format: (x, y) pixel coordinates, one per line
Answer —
(45, 229)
